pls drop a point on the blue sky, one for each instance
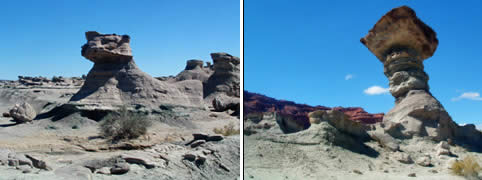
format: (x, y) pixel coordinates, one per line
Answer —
(44, 37)
(310, 52)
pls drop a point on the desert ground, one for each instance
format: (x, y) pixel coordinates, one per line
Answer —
(50, 127)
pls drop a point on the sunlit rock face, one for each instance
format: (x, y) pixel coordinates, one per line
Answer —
(401, 41)
(115, 80)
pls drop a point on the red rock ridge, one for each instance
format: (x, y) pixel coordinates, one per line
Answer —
(255, 103)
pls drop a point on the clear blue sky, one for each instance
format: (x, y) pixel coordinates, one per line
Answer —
(304, 50)
(44, 37)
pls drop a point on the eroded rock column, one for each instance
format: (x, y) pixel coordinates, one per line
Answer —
(402, 42)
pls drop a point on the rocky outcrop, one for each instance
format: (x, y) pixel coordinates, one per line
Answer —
(23, 112)
(115, 80)
(340, 121)
(226, 77)
(194, 71)
(257, 103)
(402, 42)
(222, 103)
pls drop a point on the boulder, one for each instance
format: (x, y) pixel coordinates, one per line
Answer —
(222, 103)
(23, 112)
(424, 161)
(139, 158)
(403, 157)
(38, 163)
(120, 168)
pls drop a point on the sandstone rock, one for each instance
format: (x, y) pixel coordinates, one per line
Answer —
(38, 163)
(403, 157)
(443, 145)
(74, 172)
(23, 160)
(424, 161)
(341, 121)
(470, 135)
(200, 135)
(215, 138)
(104, 170)
(402, 42)
(225, 79)
(23, 112)
(385, 140)
(197, 143)
(223, 102)
(13, 162)
(443, 148)
(194, 71)
(189, 156)
(138, 158)
(401, 26)
(289, 123)
(120, 168)
(443, 152)
(200, 159)
(95, 164)
(420, 114)
(115, 80)
(6, 114)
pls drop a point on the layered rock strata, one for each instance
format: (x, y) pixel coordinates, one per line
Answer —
(115, 80)
(225, 79)
(194, 70)
(401, 41)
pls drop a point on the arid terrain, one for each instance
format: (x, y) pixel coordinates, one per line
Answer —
(416, 139)
(50, 127)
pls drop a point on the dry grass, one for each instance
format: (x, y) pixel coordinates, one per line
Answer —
(228, 130)
(124, 125)
(467, 167)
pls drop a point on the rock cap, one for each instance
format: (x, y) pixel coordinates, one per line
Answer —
(400, 28)
(106, 48)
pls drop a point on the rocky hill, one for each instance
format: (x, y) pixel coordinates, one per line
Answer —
(258, 103)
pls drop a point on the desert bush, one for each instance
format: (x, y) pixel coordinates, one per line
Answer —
(467, 167)
(123, 125)
(227, 130)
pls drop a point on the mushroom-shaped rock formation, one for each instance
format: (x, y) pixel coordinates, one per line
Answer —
(194, 70)
(401, 42)
(225, 79)
(115, 80)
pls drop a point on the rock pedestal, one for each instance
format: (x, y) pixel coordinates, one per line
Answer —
(402, 42)
(115, 80)
(225, 78)
(194, 70)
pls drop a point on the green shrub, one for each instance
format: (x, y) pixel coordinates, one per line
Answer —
(123, 125)
(467, 167)
(228, 130)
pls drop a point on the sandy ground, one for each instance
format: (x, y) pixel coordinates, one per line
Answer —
(270, 154)
(48, 139)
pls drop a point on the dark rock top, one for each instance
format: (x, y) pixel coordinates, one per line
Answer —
(107, 48)
(401, 28)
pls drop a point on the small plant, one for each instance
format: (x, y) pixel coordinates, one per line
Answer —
(467, 167)
(228, 130)
(124, 125)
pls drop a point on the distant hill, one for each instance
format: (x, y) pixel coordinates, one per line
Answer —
(254, 102)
